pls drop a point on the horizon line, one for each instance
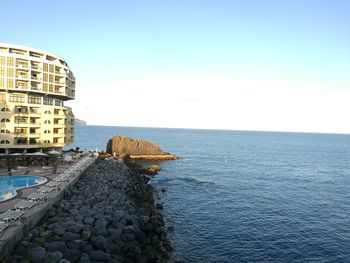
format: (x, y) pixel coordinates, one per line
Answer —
(212, 129)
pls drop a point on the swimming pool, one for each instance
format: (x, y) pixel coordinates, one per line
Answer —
(10, 184)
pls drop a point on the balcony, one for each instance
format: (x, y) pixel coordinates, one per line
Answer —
(22, 65)
(36, 67)
(22, 76)
(21, 86)
(36, 78)
(35, 113)
(59, 124)
(34, 134)
(34, 123)
(20, 134)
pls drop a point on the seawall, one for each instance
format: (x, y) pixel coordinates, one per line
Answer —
(9, 240)
(109, 215)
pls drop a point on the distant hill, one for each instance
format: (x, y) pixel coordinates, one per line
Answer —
(79, 122)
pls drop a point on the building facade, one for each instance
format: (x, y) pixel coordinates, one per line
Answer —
(34, 85)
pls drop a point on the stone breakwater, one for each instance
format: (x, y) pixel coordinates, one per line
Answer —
(108, 216)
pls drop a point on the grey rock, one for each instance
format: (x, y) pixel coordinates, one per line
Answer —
(53, 257)
(38, 254)
(99, 255)
(56, 246)
(89, 221)
(76, 244)
(70, 236)
(85, 234)
(75, 228)
(84, 258)
(99, 242)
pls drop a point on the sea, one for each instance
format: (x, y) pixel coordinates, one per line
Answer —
(244, 196)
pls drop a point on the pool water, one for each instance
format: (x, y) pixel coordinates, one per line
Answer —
(10, 184)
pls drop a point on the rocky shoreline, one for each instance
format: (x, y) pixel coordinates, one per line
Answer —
(108, 216)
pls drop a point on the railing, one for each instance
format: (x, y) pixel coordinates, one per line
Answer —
(34, 134)
(20, 134)
(22, 65)
(35, 123)
(21, 87)
(23, 76)
(36, 67)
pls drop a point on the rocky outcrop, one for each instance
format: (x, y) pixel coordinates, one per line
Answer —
(137, 149)
(110, 215)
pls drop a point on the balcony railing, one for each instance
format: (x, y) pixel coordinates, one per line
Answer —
(23, 76)
(35, 67)
(20, 65)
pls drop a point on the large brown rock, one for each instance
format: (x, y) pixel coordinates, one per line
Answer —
(137, 149)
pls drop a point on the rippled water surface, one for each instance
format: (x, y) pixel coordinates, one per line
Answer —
(250, 196)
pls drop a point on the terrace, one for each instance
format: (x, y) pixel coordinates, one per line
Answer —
(23, 211)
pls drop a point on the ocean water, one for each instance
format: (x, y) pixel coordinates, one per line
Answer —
(240, 196)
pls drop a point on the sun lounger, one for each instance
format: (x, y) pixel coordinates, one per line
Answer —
(25, 204)
(45, 190)
(22, 168)
(62, 178)
(39, 171)
(47, 168)
(53, 184)
(11, 215)
(16, 171)
(36, 196)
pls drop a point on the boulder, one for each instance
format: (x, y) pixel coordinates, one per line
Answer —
(136, 148)
(123, 145)
(153, 168)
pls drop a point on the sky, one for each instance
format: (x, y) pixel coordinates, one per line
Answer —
(239, 65)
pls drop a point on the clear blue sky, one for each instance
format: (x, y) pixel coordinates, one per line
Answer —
(253, 64)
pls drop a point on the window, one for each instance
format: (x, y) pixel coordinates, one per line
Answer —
(2, 60)
(33, 110)
(17, 98)
(2, 71)
(5, 131)
(10, 72)
(58, 103)
(10, 83)
(19, 120)
(47, 131)
(45, 87)
(5, 142)
(47, 141)
(21, 141)
(5, 120)
(10, 61)
(34, 99)
(47, 122)
(21, 109)
(2, 83)
(48, 101)
(5, 110)
(20, 130)
(47, 112)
